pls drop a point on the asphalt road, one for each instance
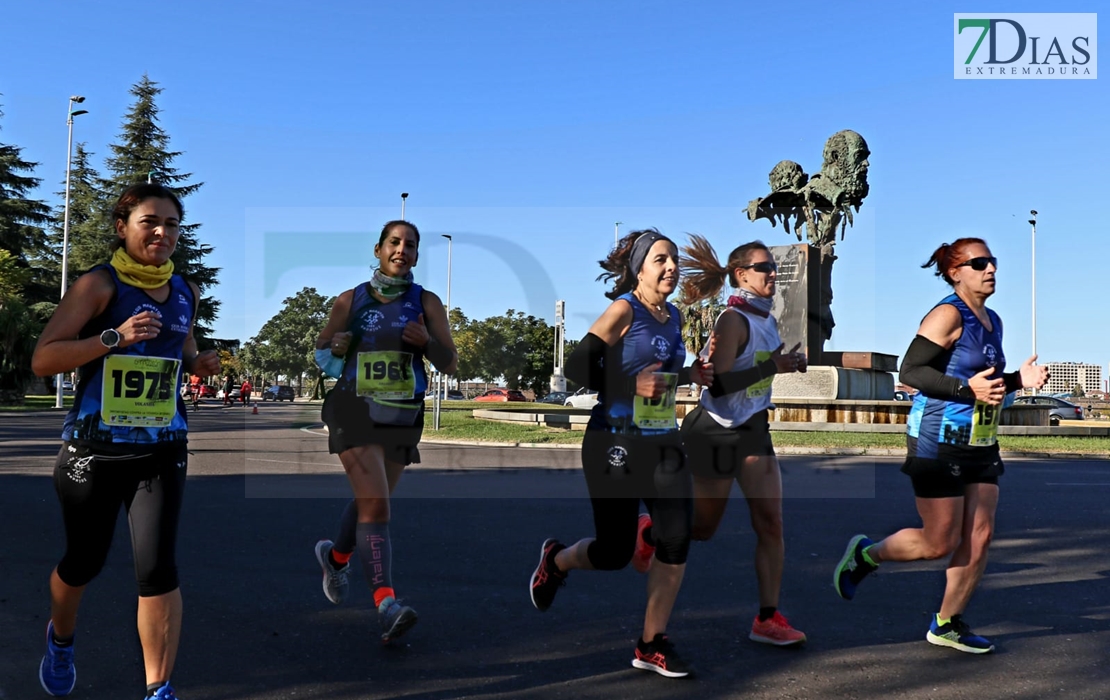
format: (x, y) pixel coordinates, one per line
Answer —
(467, 525)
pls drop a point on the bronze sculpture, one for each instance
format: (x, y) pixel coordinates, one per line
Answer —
(820, 204)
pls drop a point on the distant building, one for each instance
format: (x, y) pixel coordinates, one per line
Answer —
(1063, 376)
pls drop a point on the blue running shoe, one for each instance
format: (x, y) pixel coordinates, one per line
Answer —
(852, 567)
(396, 619)
(56, 672)
(958, 635)
(164, 693)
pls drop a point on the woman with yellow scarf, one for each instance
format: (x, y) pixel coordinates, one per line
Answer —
(128, 327)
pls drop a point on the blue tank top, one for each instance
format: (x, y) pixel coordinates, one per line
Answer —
(84, 422)
(376, 327)
(934, 422)
(647, 342)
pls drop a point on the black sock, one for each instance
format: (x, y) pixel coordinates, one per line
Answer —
(61, 641)
(767, 613)
(153, 688)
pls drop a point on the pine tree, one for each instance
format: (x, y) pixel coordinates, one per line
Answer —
(22, 221)
(143, 153)
(90, 229)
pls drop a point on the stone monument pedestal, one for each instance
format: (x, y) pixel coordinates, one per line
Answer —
(835, 384)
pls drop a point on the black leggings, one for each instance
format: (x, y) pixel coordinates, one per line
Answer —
(92, 486)
(620, 472)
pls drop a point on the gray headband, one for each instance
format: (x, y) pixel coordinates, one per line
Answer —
(640, 249)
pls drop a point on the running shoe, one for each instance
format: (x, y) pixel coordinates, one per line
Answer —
(396, 619)
(57, 673)
(852, 567)
(335, 580)
(659, 655)
(958, 635)
(775, 630)
(164, 693)
(644, 552)
(547, 579)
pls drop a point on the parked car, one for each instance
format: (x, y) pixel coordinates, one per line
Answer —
(903, 396)
(448, 395)
(236, 394)
(1058, 408)
(500, 395)
(207, 391)
(556, 397)
(583, 398)
(278, 393)
(67, 385)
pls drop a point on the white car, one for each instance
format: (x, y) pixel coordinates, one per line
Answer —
(583, 398)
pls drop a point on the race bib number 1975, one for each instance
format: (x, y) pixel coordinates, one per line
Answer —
(138, 391)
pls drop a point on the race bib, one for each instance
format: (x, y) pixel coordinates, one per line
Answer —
(763, 386)
(658, 413)
(984, 424)
(385, 374)
(138, 391)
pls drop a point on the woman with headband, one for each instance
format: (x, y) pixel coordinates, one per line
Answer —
(633, 356)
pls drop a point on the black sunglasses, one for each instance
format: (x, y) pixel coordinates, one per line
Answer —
(980, 264)
(764, 267)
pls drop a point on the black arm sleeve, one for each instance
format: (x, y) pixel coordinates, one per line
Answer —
(923, 369)
(738, 380)
(588, 364)
(1012, 381)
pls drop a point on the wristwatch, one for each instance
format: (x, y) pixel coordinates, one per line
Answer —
(110, 338)
(965, 392)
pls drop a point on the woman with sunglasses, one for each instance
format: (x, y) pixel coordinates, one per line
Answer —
(633, 356)
(956, 363)
(727, 436)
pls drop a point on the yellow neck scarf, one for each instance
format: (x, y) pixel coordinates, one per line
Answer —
(139, 275)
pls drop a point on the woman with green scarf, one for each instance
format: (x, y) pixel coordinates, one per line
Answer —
(375, 343)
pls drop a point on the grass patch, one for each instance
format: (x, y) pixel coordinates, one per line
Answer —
(461, 425)
(38, 403)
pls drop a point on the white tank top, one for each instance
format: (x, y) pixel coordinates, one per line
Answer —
(732, 410)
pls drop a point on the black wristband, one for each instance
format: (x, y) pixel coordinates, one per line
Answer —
(438, 354)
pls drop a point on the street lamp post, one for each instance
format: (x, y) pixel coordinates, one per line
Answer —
(1033, 223)
(404, 196)
(74, 99)
(440, 384)
(616, 232)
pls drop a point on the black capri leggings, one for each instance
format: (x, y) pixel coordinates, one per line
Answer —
(92, 486)
(622, 470)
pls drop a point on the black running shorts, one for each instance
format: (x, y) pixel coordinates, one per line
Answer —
(349, 425)
(954, 468)
(716, 452)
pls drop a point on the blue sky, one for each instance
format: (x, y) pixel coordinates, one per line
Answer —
(525, 130)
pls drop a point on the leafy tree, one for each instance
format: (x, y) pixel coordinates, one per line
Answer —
(1077, 391)
(19, 329)
(515, 346)
(286, 344)
(143, 153)
(21, 222)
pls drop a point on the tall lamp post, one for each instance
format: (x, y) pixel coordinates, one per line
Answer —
(404, 196)
(75, 99)
(616, 232)
(440, 385)
(1033, 223)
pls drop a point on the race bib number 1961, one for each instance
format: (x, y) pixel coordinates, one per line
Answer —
(138, 391)
(385, 374)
